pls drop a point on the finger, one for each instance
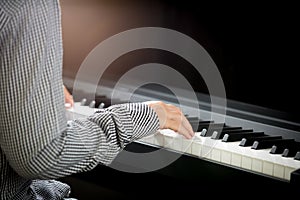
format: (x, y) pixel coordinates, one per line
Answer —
(184, 131)
(187, 126)
(177, 124)
(181, 118)
(69, 99)
(68, 105)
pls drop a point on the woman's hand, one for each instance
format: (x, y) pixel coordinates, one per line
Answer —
(69, 102)
(171, 117)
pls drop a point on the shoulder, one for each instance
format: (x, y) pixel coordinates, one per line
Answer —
(8, 9)
(16, 9)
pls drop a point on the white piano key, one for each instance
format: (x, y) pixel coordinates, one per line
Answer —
(168, 137)
(230, 153)
(148, 139)
(246, 162)
(177, 144)
(216, 154)
(206, 151)
(287, 172)
(257, 165)
(79, 111)
(226, 157)
(196, 148)
(186, 145)
(268, 168)
(168, 141)
(278, 171)
(236, 160)
(158, 139)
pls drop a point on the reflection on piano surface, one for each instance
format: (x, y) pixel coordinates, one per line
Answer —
(239, 150)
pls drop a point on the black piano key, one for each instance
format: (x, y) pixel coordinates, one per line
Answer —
(83, 102)
(195, 124)
(200, 121)
(297, 156)
(224, 128)
(206, 122)
(233, 137)
(104, 100)
(101, 105)
(192, 119)
(210, 126)
(281, 148)
(110, 102)
(79, 95)
(266, 144)
(245, 142)
(92, 104)
(291, 150)
(198, 127)
(209, 132)
(277, 149)
(217, 135)
(205, 127)
(99, 98)
(87, 99)
(195, 119)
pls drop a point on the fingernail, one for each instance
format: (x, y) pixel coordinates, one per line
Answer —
(68, 105)
(192, 135)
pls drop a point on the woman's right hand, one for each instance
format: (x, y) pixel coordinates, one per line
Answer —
(171, 117)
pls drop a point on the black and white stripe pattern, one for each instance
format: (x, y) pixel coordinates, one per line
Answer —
(37, 144)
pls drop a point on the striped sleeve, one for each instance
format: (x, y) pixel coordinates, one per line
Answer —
(98, 139)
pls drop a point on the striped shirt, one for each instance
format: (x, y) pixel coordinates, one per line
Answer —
(37, 144)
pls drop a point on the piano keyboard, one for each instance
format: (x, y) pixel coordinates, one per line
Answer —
(230, 144)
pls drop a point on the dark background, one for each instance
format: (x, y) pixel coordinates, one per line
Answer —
(254, 45)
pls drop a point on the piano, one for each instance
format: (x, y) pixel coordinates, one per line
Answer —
(245, 152)
(252, 153)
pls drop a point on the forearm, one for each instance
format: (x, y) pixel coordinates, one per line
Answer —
(87, 142)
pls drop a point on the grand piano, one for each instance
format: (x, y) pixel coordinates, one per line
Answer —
(252, 151)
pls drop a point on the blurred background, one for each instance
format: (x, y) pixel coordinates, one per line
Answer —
(254, 45)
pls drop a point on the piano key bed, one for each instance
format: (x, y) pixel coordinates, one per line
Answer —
(234, 146)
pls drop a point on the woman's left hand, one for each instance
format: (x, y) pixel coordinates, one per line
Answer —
(69, 102)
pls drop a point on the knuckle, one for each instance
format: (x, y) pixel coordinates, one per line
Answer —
(161, 104)
(178, 115)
